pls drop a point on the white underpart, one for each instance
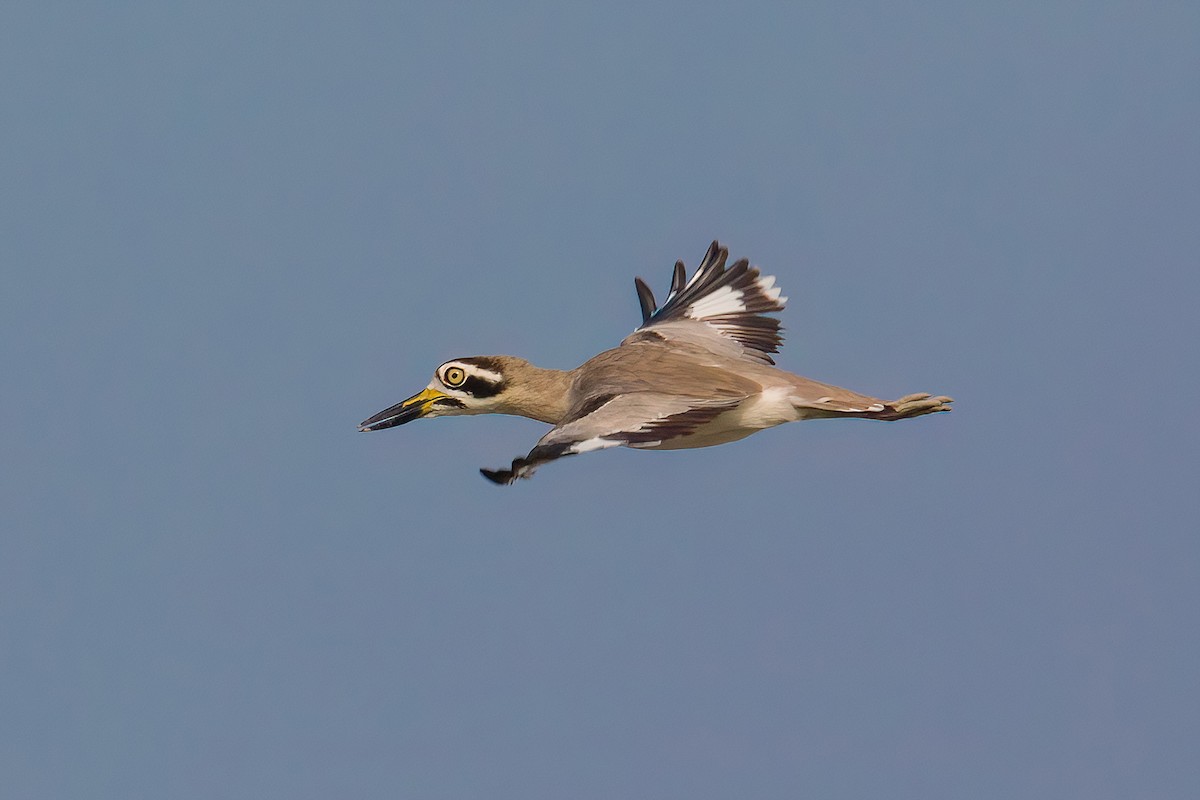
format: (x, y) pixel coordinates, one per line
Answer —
(773, 407)
(875, 407)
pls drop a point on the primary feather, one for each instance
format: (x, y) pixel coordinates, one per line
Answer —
(729, 302)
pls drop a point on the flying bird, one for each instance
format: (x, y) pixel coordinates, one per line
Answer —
(697, 372)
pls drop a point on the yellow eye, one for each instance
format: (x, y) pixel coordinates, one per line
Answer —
(454, 376)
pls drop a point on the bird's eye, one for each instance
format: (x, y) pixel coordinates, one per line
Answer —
(454, 376)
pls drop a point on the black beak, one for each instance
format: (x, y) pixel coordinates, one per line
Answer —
(413, 408)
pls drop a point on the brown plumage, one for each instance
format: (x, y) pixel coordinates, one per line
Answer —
(698, 372)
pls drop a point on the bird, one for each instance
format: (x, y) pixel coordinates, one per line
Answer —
(697, 372)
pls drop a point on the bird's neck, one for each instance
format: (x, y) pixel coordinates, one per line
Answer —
(544, 395)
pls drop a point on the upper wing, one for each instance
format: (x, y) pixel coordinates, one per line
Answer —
(639, 419)
(720, 307)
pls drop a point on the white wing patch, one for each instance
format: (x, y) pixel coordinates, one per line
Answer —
(731, 302)
(595, 443)
(727, 300)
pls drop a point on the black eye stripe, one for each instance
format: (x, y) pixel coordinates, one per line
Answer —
(477, 386)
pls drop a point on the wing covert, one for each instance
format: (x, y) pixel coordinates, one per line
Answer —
(638, 419)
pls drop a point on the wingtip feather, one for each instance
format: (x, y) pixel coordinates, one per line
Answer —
(645, 299)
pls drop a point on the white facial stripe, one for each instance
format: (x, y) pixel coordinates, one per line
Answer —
(487, 374)
(471, 369)
(437, 385)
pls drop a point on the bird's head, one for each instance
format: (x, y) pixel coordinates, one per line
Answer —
(474, 385)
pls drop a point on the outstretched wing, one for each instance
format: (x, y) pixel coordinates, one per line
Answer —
(639, 419)
(726, 306)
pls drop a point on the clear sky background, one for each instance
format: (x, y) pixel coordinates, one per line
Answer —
(232, 231)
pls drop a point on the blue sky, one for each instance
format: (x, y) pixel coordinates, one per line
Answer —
(232, 232)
